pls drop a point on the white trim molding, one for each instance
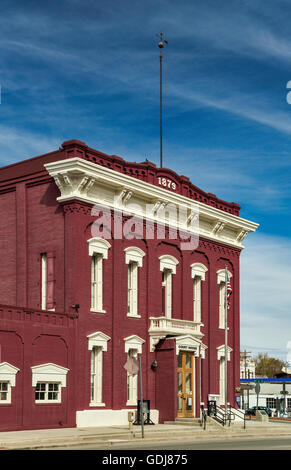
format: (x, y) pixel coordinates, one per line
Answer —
(221, 352)
(134, 254)
(98, 250)
(133, 342)
(188, 343)
(221, 275)
(198, 269)
(8, 373)
(168, 262)
(49, 373)
(98, 339)
(78, 179)
(98, 246)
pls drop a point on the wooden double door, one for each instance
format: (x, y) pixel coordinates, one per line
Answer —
(185, 395)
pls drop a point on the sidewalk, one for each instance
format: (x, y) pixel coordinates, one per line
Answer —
(107, 436)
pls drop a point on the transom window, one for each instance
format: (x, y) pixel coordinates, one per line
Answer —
(47, 392)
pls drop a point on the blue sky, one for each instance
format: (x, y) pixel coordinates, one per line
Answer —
(90, 70)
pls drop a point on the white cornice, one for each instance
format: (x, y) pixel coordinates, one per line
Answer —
(89, 182)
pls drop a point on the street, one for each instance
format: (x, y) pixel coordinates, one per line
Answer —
(280, 443)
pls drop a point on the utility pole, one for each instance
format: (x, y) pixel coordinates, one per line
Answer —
(244, 355)
(141, 397)
(161, 46)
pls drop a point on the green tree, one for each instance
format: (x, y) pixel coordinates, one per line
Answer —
(268, 366)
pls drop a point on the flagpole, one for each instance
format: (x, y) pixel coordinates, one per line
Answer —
(141, 397)
(225, 342)
(161, 45)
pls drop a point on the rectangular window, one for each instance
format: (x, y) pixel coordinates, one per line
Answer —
(132, 293)
(221, 380)
(197, 299)
(47, 281)
(96, 375)
(4, 392)
(132, 382)
(222, 305)
(271, 402)
(43, 281)
(97, 283)
(167, 292)
(48, 392)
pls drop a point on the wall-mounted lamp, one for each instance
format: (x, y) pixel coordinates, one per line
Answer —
(76, 307)
(154, 365)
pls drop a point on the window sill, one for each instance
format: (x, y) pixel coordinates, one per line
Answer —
(93, 310)
(130, 315)
(51, 402)
(131, 403)
(96, 404)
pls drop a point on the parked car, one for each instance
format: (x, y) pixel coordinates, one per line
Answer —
(252, 411)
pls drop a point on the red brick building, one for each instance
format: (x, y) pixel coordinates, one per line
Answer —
(90, 275)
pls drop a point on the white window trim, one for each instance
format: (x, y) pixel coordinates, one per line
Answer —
(98, 339)
(49, 373)
(46, 400)
(168, 262)
(168, 265)
(132, 383)
(221, 359)
(8, 391)
(43, 280)
(198, 271)
(98, 246)
(8, 374)
(134, 257)
(222, 286)
(133, 342)
(221, 352)
(134, 254)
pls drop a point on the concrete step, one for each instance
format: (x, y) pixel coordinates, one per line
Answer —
(185, 422)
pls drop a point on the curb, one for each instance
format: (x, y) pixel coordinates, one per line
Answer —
(157, 436)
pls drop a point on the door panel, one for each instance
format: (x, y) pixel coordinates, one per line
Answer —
(185, 392)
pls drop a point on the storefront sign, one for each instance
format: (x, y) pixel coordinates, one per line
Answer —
(187, 348)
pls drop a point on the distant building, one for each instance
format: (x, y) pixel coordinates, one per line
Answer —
(274, 393)
(247, 368)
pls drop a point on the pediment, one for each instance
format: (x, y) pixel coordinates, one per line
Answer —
(49, 372)
(8, 373)
(98, 339)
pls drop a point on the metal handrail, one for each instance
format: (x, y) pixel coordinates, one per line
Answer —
(220, 415)
(243, 417)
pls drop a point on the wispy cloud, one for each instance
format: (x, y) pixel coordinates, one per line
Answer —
(265, 294)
